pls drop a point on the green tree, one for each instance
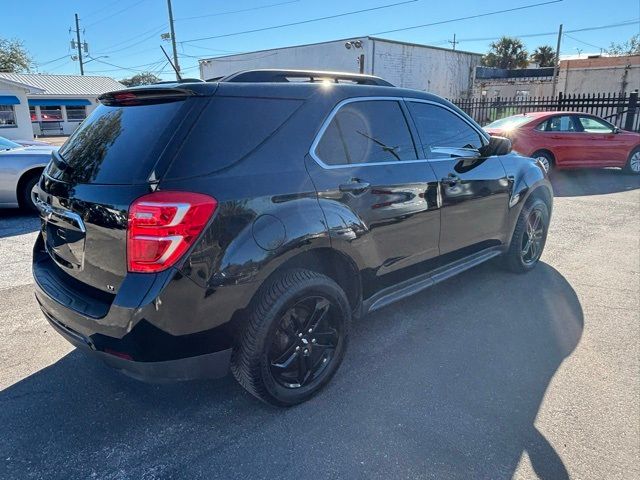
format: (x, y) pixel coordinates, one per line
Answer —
(508, 52)
(630, 47)
(544, 56)
(144, 78)
(14, 57)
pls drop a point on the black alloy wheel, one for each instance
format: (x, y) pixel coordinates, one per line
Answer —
(532, 240)
(304, 343)
(295, 338)
(529, 237)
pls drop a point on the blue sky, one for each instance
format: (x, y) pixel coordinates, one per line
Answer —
(128, 31)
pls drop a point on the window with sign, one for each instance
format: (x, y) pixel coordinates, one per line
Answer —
(76, 114)
(51, 114)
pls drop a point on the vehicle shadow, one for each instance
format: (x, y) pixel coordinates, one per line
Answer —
(17, 222)
(582, 182)
(446, 384)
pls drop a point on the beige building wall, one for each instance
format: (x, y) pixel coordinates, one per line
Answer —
(579, 76)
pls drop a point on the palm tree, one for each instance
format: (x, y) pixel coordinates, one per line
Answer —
(544, 56)
(508, 52)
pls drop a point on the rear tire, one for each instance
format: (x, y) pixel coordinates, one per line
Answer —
(633, 163)
(25, 200)
(529, 237)
(295, 338)
(545, 158)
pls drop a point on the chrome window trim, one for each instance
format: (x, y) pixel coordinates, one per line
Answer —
(400, 100)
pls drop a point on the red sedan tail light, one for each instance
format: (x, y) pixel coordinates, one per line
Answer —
(162, 226)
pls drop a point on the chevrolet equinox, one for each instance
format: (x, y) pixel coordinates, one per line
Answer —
(193, 228)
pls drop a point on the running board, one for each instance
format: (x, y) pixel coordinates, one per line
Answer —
(421, 282)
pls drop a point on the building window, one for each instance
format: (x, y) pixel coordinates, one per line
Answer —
(7, 116)
(76, 114)
(51, 114)
(33, 114)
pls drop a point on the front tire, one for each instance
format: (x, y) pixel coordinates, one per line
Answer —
(633, 163)
(529, 237)
(295, 338)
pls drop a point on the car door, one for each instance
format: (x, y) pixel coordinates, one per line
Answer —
(378, 195)
(473, 191)
(561, 135)
(602, 146)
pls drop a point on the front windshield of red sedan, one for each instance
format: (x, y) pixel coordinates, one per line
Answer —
(509, 123)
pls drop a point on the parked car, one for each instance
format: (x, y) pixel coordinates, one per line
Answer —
(20, 168)
(32, 143)
(190, 228)
(570, 140)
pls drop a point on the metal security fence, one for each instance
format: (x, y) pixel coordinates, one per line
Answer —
(621, 109)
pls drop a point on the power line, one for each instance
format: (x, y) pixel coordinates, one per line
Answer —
(40, 64)
(545, 34)
(219, 14)
(134, 68)
(105, 7)
(468, 17)
(153, 31)
(302, 22)
(583, 42)
(116, 13)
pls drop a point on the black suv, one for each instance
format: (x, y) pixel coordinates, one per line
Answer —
(193, 227)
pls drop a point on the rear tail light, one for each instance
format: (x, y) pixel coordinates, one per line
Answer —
(162, 226)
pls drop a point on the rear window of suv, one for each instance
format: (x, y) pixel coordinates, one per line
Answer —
(117, 144)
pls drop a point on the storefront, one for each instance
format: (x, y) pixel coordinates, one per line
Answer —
(42, 105)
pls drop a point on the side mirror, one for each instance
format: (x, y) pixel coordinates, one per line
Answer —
(616, 129)
(496, 146)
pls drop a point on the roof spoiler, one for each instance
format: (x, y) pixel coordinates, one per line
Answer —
(279, 76)
(144, 96)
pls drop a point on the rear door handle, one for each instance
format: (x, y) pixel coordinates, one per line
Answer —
(450, 179)
(354, 186)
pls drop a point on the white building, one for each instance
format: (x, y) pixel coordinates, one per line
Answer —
(442, 71)
(36, 104)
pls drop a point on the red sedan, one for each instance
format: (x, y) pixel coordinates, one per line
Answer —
(570, 140)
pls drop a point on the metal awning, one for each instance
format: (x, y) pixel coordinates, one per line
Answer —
(9, 100)
(56, 102)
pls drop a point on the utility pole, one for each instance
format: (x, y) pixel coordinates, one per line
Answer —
(173, 41)
(556, 64)
(79, 45)
(453, 42)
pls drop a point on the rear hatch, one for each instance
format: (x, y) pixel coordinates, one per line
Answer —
(114, 157)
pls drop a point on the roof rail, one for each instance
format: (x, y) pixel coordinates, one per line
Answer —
(309, 75)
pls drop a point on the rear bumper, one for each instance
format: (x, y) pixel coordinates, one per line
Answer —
(210, 365)
(129, 337)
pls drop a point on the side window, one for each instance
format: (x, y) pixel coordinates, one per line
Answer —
(367, 132)
(440, 129)
(595, 125)
(558, 124)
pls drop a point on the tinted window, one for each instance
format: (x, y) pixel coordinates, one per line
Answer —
(595, 125)
(558, 124)
(440, 128)
(228, 130)
(367, 132)
(116, 145)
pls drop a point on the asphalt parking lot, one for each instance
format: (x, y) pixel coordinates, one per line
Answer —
(488, 375)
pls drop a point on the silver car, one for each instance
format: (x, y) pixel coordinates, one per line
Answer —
(20, 169)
